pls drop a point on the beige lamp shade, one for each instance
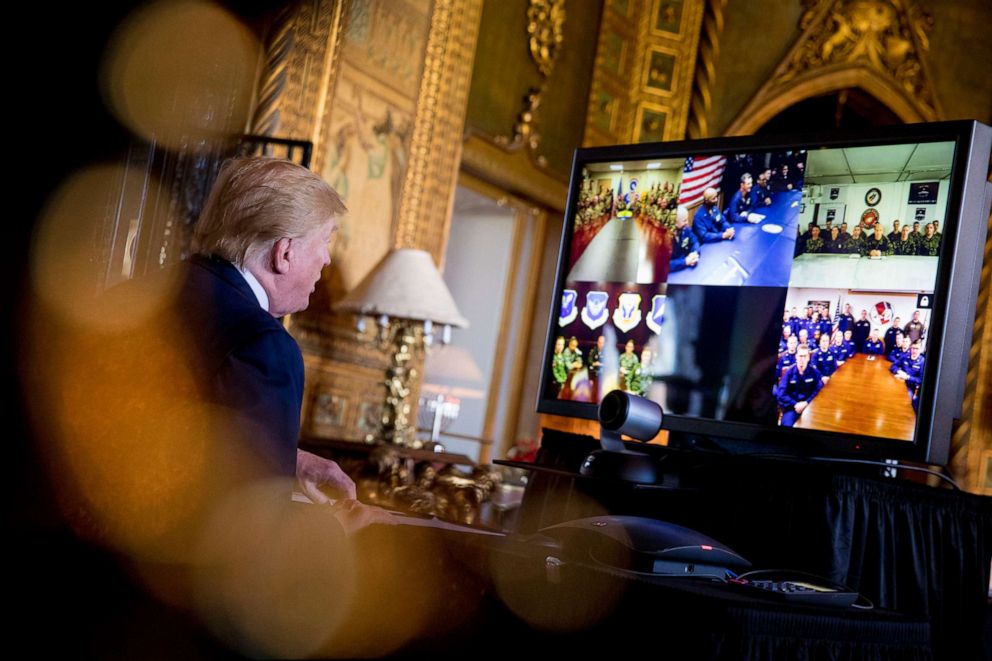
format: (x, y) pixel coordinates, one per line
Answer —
(404, 285)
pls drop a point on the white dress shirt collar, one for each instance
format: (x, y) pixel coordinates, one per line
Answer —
(256, 287)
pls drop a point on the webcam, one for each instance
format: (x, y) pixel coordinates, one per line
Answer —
(623, 413)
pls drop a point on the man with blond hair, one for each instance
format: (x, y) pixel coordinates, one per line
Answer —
(259, 246)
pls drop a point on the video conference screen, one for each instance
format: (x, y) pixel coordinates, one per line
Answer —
(785, 288)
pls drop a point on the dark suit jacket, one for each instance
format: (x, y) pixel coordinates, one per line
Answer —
(244, 360)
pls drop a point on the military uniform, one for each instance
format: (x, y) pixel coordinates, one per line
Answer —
(852, 246)
(572, 357)
(740, 207)
(630, 366)
(762, 196)
(708, 224)
(824, 361)
(862, 329)
(890, 339)
(900, 247)
(874, 348)
(815, 245)
(914, 329)
(785, 361)
(683, 243)
(795, 387)
(913, 368)
(594, 357)
(896, 355)
(845, 321)
(929, 246)
(559, 369)
(880, 244)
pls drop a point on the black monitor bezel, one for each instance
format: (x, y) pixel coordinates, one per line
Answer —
(754, 438)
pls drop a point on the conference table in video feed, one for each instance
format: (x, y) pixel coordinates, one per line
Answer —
(889, 273)
(862, 397)
(759, 255)
(625, 250)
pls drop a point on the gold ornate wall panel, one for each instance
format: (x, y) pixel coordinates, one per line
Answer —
(534, 60)
(428, 189)
(879, 46)
(643, 76)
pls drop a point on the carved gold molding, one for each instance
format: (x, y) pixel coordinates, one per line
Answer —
(278, 50)
(709, 50)
(435, 150)
(876, 45)
(298, 77)
(545, 27)
(642, 81)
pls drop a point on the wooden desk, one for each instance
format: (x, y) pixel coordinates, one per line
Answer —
(862, 397)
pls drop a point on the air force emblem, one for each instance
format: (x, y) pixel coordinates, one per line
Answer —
(628, 312)
(568, 310)
(595, 314)
(657, 315)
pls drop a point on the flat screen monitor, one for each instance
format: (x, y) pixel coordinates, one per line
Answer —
(810, 294)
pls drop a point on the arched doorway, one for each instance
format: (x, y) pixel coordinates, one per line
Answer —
(841, 109)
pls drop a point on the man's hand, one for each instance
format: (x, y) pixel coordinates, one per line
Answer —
(728, 234)
(313, 472)
(801, 406)
(353, 515)
(692, 259)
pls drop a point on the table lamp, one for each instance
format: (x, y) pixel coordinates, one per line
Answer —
(406, 298)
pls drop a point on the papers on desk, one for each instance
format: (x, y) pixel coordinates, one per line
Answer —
(755, 217)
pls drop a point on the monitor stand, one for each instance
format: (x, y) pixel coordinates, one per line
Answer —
(615, 462)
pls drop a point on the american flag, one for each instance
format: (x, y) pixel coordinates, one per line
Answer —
(700, 173)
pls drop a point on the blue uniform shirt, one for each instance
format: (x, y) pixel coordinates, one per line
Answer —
(795, 387)
(840, 353)
(874, 348)
(740, 207)
(683, 243)
(785, 360)
(708, 224)
(890, 339)
(824, 361)
(914, 368)
(862, 329)
(759, 194)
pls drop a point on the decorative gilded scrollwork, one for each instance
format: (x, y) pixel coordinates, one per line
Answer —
(886, 35)
(525, 130)
(545, 26)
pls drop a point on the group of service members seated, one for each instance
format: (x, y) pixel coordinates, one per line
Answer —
(870, 242)
(634, 372)
(812, 348)
(656, 204)
(710, 225)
